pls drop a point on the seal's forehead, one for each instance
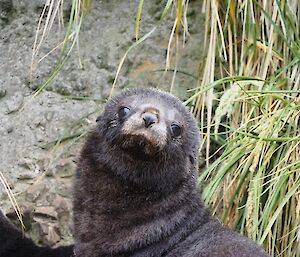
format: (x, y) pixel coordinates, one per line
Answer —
(142, 96)
(144, 100)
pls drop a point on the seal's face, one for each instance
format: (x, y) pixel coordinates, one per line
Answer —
(149, 125)
(146, 126)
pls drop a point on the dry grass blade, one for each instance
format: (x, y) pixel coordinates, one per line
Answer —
(138, 19)
(12, 199)
(53, 10)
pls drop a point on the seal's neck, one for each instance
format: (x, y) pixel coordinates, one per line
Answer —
(117, 217)
(114, 214)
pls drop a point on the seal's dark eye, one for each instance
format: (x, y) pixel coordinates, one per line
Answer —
(176, 130)
(123, 112)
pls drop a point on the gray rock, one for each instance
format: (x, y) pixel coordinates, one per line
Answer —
(6, 9)
(14, 103)
(46, 211)
(27, 175)
(2, 92)
(35, 191)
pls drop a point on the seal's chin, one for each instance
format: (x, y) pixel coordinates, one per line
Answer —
(139, 147)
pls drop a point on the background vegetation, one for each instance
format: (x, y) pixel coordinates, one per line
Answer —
(248, 104)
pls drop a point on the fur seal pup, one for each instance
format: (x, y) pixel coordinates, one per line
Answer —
(14, 244)
(135, 190)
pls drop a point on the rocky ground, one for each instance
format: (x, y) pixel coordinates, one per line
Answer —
(41, 135)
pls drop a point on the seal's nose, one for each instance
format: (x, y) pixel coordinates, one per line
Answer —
(149, 118)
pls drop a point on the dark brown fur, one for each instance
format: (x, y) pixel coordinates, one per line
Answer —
(14, 244)
(135, 191)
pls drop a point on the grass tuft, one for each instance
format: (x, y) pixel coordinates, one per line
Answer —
(249, 98)
(52, 11)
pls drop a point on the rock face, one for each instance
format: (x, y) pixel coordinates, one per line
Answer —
(41, 136)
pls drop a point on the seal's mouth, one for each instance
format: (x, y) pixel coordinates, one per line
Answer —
(139, 146)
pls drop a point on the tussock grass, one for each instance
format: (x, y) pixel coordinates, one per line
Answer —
(248, 100)
(53, 11)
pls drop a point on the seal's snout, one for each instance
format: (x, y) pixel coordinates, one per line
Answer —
(144, 132)
(149, 118)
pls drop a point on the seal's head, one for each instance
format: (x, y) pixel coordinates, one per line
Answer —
(147, 128)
